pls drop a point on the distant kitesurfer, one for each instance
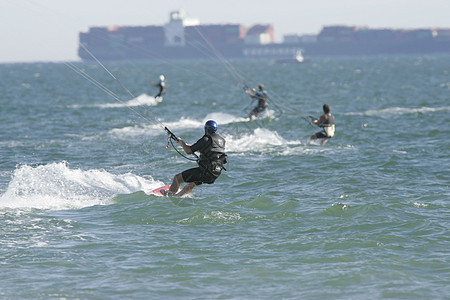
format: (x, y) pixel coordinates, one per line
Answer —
(261, 96)
(161, 85)
(210, 163)
(326, 122)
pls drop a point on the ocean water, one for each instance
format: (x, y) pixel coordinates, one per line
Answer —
(366, 216)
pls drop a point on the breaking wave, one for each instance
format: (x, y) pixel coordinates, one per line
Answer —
(56, 186)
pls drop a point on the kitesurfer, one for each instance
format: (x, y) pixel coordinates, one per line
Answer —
(326, 122)
(261, 96)
(161, 85)
(210, 163)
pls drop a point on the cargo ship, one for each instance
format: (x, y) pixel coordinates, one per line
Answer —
(183, 37)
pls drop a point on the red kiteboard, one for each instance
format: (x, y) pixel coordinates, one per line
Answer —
(157, 192)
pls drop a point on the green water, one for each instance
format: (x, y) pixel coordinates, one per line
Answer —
(364, 217)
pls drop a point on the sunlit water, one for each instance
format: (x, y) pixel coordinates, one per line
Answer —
(365, 216)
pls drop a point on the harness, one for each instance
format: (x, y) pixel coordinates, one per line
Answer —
(213, 158)
(262, 99)
(328, 126)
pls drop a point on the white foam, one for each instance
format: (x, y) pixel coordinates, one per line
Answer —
(56, 186)
(182, 123)
(154, 129)
(223, 118)
(220, 117)
(268, 114)
(135, 131)
(398, 111)
(143, 99)
(261, 139)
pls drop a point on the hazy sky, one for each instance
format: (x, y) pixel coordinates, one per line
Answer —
(47, 30)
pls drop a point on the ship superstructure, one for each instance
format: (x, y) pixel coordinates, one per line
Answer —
(184, 37)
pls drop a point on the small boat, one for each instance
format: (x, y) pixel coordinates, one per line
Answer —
(297, 59)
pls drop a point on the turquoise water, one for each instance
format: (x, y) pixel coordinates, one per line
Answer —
(365, 216)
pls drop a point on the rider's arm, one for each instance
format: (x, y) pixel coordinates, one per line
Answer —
(320, 120)
(186, 147)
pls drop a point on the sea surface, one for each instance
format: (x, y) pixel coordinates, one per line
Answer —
(366, 216)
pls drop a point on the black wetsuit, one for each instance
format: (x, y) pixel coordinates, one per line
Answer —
(211, 161)
(262, 101)
(162, 88)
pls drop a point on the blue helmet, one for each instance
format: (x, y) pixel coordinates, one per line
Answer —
(210, 126)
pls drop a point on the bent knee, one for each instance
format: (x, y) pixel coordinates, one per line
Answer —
(179, 178)
(191, 185)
